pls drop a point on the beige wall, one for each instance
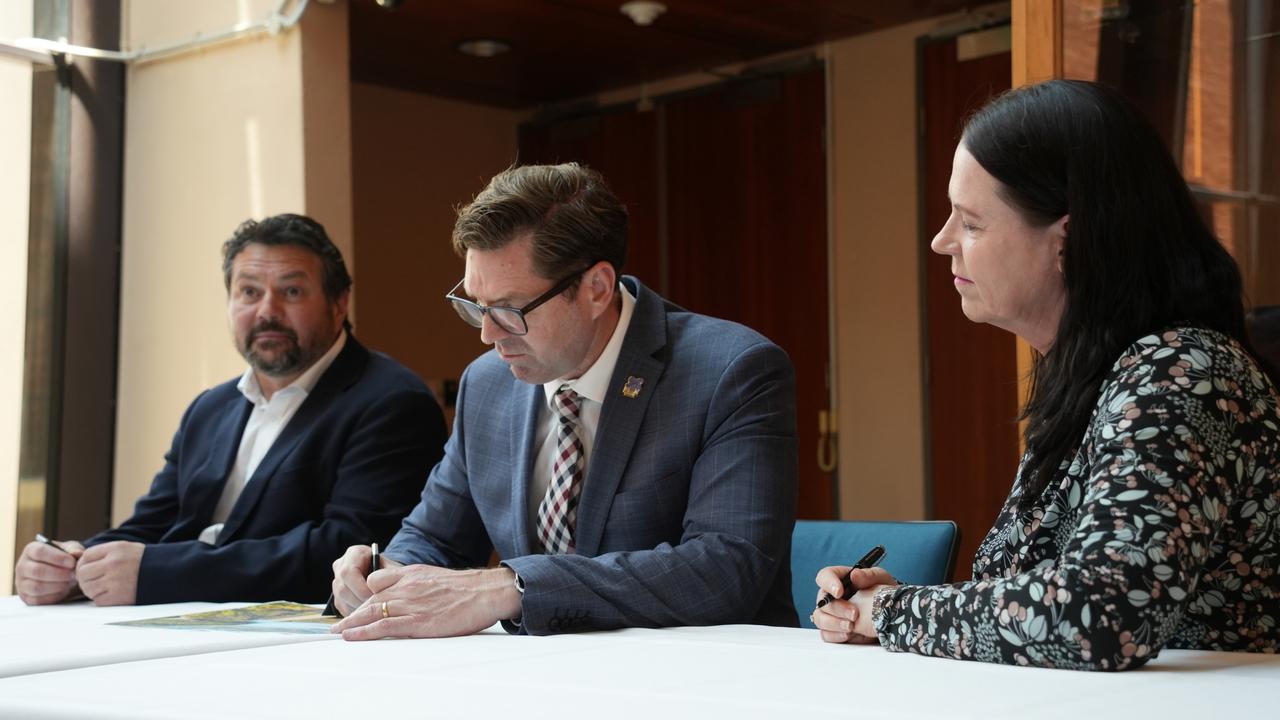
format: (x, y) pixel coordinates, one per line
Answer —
(415, 158)
(326, 124)
(875, 257)
(211, 138)
(15, 157)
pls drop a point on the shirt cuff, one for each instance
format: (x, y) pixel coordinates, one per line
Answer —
(515, 625)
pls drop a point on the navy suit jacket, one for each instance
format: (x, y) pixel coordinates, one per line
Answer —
(344, 471)
(688, 504)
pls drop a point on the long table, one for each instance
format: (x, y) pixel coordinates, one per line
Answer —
(76, 635)
(737, 671)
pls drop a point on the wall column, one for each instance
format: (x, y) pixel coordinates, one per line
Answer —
(15, 189)
(211, 138)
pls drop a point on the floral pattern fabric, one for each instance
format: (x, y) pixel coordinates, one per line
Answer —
(1163, 530)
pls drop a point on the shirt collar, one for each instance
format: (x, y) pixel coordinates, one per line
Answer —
(594, 383)
(306, 382)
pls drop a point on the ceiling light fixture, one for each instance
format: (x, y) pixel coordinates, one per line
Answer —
(642, 12)
(483, 47)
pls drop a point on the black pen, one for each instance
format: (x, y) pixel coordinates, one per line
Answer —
(50, 543)
(375, 563)
(868, 561)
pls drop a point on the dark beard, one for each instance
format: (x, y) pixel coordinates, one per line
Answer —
(291, 360)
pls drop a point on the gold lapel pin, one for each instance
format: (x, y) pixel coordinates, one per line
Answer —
(631, 389)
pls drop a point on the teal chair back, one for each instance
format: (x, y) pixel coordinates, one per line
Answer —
(916, 553)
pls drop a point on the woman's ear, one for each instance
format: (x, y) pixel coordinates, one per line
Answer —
(1058, 233)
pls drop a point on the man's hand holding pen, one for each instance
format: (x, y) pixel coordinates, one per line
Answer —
(351, 576)
(427, 601)
(46, 572)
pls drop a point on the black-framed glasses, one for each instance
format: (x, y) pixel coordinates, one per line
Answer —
(509, 319)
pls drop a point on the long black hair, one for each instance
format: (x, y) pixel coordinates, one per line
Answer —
(1138, 256)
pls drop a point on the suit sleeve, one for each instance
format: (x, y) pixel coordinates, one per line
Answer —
(736, 528)
(381, 469)
(445, 528)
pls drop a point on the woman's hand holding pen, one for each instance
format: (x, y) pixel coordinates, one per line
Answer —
(848, 620)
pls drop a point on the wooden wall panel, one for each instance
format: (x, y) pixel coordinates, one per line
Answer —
(973, 373)
(746, 182)
(623, 146)
(736, 175)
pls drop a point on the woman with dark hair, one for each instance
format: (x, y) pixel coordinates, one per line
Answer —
(1146, 510)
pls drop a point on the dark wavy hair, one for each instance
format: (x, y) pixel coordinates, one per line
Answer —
(291, 229)
(1138, 256)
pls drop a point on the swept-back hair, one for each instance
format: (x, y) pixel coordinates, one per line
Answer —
(1138, 256)
(573, 217)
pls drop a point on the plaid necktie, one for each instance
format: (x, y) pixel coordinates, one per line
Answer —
(558, 511)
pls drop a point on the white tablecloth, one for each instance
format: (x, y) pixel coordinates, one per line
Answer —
(735, 671)
(76, 635)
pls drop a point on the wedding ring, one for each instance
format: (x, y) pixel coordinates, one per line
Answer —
(385, 613)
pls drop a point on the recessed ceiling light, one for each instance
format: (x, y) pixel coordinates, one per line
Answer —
(484, 47)
(642, 12)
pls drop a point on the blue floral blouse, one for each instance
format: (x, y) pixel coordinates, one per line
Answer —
(1163, 531)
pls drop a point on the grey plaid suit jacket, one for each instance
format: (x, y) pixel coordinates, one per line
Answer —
(688, 505)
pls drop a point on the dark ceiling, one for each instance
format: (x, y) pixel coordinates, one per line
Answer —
(564, 49)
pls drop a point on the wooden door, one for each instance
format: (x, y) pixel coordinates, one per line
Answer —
(972, 368)
(623, 146)
(746, 191)
(727, 193)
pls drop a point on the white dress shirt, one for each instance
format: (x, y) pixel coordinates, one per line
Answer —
(267, 419)
(592, 388)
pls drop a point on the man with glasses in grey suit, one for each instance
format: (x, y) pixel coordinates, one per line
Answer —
(632, 464)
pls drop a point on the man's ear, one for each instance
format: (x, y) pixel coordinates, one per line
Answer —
(601, 285)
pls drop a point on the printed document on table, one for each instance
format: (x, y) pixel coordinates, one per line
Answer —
(276, 617)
